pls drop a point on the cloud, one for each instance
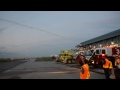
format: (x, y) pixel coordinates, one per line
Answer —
(2, 47)
(2, 29)
(59, 31)
(4, 54)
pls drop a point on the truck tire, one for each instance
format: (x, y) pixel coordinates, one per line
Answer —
(69, 61)
(95, 65)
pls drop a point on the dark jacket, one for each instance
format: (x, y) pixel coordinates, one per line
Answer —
(117, 73)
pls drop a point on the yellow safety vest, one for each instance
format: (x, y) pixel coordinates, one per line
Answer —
(110, 65)
(116, 64)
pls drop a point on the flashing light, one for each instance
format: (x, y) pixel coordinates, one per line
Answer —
(92, 62)
(103, 55)
(86, 58)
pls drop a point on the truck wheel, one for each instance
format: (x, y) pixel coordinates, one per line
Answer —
(69, 61)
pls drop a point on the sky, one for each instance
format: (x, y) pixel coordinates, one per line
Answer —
(43, 33)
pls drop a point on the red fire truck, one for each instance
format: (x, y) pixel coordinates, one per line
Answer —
(110, 52)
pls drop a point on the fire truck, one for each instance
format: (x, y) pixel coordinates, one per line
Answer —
(66, 56)
(110, 52)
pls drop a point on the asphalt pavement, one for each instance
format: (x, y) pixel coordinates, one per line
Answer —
(9, 65)
(44, 70)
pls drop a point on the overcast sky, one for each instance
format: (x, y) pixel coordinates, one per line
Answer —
(42, 33)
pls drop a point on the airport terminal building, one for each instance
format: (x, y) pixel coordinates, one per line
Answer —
(106, 40)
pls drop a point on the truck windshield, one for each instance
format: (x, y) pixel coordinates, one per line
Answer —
(92, 51)
(103, 51)
(74, 55)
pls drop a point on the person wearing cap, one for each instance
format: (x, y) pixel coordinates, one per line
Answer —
(117, 61)
(106, 66)
(79, 58)
(84, 73)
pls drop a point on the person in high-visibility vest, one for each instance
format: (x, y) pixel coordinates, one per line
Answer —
(116, 64)
(106, 64)
(85, 73)
(117, 61)
(116, 72)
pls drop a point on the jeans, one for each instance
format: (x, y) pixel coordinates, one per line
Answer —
(106, 71)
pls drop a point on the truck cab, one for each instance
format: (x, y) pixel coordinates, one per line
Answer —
(67, 56)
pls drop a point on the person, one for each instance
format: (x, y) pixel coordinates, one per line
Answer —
(79, 58)
(110, 67)
(116, 71)
(57, 59)
(106, 64)
(84, 73)
(118, 61)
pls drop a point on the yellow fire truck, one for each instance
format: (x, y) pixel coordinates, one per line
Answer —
(66, 56)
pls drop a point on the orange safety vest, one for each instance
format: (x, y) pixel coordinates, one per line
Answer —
(106, 65)
(86, 74)
(117, 59)
(116, 64)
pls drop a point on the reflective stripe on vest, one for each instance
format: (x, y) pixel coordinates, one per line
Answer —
(106, 65)
(110, 63)
(86, 74)
(116, 63)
